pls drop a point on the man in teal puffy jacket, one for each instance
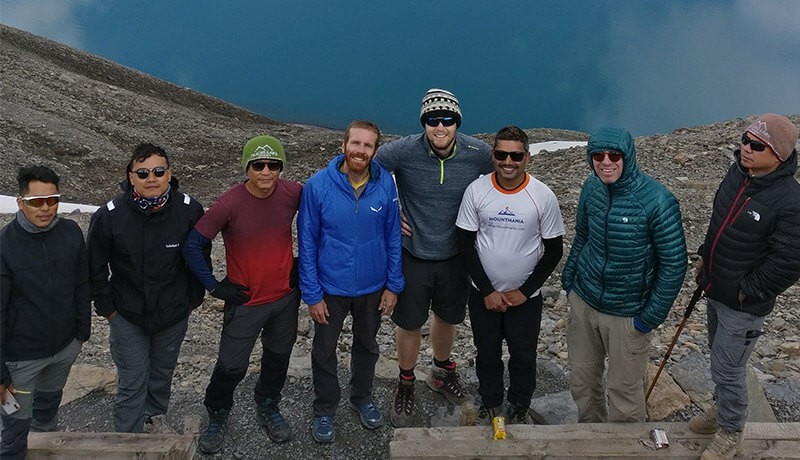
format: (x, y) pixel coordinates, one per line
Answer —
(624, 270)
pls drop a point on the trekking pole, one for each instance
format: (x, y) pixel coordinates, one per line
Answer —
(692, 302)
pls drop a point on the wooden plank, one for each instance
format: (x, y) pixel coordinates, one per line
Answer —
(110, 446)
(772, 440)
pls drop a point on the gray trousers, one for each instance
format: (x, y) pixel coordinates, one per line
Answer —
(39, 384)
(591, 336)
(145, 364)
(732, 335)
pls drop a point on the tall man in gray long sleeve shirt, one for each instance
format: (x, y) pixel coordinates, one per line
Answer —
(432, 171)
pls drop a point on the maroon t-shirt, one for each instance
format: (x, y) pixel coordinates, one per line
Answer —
(258, 237)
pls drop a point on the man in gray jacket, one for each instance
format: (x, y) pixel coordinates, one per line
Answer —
(432, 171)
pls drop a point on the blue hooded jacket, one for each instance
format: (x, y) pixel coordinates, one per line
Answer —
(347, 246)
(628, 257)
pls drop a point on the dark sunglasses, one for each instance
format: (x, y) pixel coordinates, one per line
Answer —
(434, 121)
(754, 145)
(144, 173)
(500, 155)
(259, 165)
(613, 156)
(39, 201)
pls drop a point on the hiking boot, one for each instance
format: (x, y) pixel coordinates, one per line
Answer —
(322, 431)
(269, 416)
(370, 415)
(705, 423)
(724, 444)
(211, 440)
(520, 416)
(402, 412)
(447, 382)
(155, 424)
(486, 414)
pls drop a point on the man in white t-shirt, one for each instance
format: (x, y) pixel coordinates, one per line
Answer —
(511, 238)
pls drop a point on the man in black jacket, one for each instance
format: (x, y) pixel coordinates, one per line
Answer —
(750, 255)
(44, 308)
(137, 238)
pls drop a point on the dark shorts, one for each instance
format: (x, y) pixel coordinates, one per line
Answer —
(439, 285)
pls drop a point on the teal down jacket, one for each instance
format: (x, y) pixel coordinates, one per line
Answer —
(628, 257)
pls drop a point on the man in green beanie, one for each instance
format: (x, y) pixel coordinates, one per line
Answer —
(255, 218)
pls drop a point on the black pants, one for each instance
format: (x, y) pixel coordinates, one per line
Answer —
(276, 322)
(519, 326)
(363, 354)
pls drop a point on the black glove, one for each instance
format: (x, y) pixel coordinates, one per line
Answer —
(229, 292)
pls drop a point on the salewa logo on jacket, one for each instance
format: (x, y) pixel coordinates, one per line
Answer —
(755, 215)
(172, 245)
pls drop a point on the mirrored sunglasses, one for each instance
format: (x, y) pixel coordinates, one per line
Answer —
(434, 121)
(39, 201)
(754, 145)
(259, 165)
(613, 156)
(501, 155)
(144, 173)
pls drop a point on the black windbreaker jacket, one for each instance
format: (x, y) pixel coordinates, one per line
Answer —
(150, 284)
(44, 292)
(753, 239)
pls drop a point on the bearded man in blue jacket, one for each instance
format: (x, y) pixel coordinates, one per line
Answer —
(623, 273)
(350, 256)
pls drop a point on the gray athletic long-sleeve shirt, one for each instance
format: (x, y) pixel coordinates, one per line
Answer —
(431, 188)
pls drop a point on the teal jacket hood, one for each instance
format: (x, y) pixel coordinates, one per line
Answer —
(619, 139)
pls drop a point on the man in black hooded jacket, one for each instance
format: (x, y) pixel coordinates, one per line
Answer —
(750, 255)
(137, 238)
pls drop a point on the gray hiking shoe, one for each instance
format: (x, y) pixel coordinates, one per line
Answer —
(269, 416)
(705, 423)
(519, 416)
(211, 440)
(486, 414)
(402, 411)
(724, 445)
(448, 383)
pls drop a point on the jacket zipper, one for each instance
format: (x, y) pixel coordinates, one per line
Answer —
(733, 213)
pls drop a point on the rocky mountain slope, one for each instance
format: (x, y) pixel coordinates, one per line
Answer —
(82, 115)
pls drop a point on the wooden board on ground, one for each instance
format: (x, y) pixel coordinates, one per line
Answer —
(586, 440)
(110, 446)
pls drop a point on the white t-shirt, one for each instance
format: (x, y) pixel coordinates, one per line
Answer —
(511, 225)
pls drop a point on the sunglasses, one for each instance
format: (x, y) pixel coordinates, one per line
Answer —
(39, 201)
(271, 165)
(144, 173)
(434, 121)
(613, 156)
(500, 155)
(754, 145)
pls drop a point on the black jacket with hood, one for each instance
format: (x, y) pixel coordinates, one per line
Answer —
(150, 284)
(753, 240)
